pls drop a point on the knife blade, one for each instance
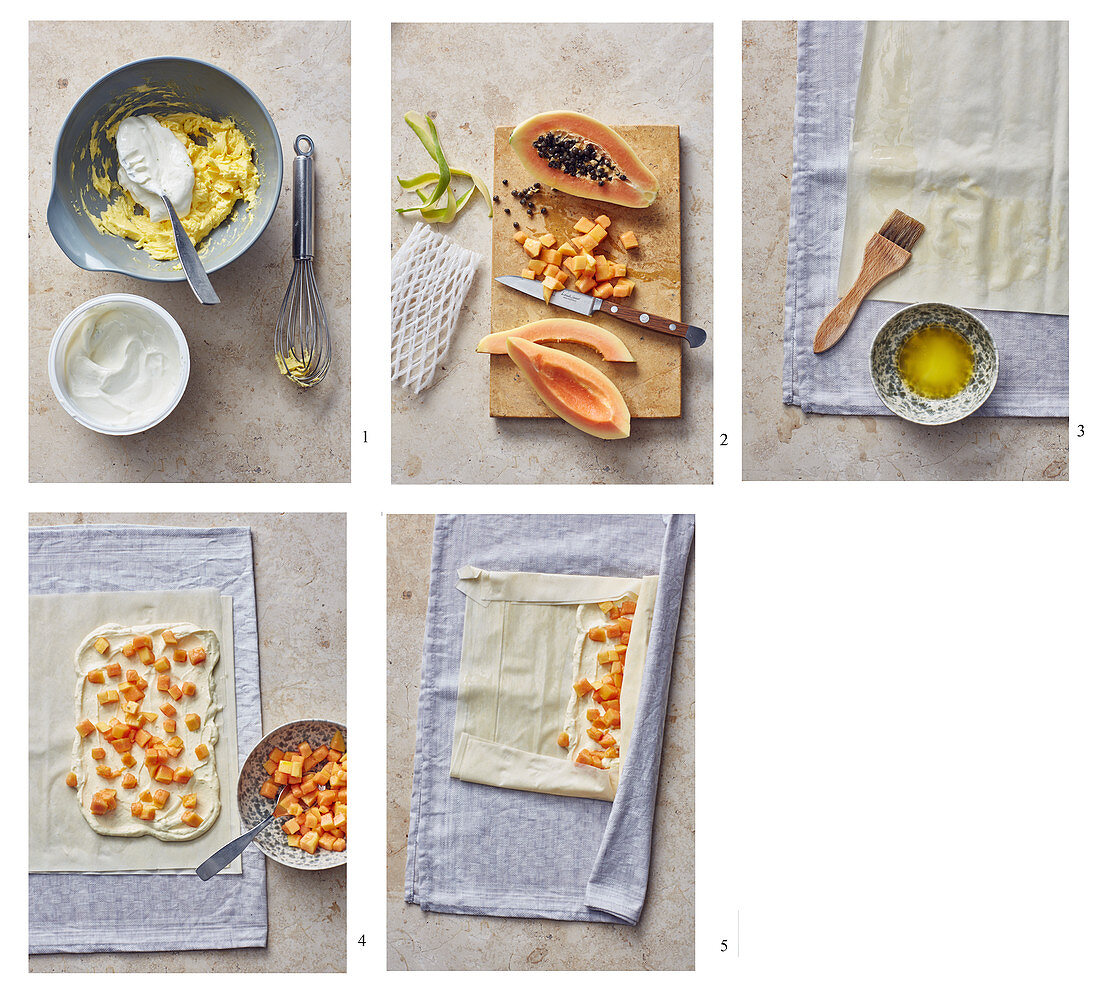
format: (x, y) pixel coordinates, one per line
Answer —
(583, 303)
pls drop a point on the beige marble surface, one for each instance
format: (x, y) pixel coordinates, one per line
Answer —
(239, 420)
(665, 937)
(300, 563)
(607, 71)
(780, 442)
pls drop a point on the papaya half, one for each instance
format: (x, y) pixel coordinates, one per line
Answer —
(579, 156)
(560, 329)
(572, 389)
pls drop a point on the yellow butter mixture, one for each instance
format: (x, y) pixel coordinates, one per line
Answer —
(225, 174)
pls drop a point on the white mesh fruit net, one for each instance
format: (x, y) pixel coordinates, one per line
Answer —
(429, 278)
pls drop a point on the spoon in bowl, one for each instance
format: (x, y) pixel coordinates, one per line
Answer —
(221, 857)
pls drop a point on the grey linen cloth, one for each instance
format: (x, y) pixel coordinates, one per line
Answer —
(1034, 348)
(500, 852)
(152, 913)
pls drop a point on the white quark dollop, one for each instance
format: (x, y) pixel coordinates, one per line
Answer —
(121, 365)
(152, 162)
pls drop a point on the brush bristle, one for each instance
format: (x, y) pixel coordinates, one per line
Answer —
(902, 230)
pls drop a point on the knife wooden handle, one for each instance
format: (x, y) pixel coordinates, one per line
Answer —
(662, 325)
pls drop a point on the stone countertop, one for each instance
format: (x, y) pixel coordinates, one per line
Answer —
(240, 419)
(780, 442)
(665, 937)
(294, 555)
(607, 71)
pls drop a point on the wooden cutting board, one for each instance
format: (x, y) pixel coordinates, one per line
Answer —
(651, 386)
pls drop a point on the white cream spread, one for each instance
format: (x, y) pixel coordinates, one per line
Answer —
(152, 163)
(168, 824)
(121, 365)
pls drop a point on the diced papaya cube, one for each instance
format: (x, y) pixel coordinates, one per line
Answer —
(606, 741)
(169, 637)
(183, 775)
(597, 634)
(169, 725)
(95, 676)
(594, 733)
(583, 225)
(337, 742)
(164, 681)
(584, 757)
(131, 693)
(98, 753)
(520, 236)
(603, 269)
(606, 606)
(604, 657)
(292, 825)
(128, 760)
(164, 775)
(129, 781)
(304, 750)
(613, 631)
(141, 683)
(148, 812)
(628, 607)
(101, 645)
(550, 256)
(168, 709)
(146, 656)
(192, 818)
(603, 221)
(308, 843)
(606, 692)
(546, 240)
(201, 751)
(148, 716)
(339, 844)
(162, 665)
(197, 655)
(596, 234)
(70, 779)
(618, 271)
(537, 266)
(193, 721)
(582, 688)
(135, 809)
(527, 274)
(142, 738)
(128, 650)
(85, 728)
(533, 247)
(175, 692)
(567, 250)
(614, 612)
(179, 655)
(122, 745)
(292, 840)
(98, 806)
(326, 840)
(103, 728)
(113, 671)
(269, 789)
(143, 641)
(592, 714)
(628, 239)
(586, 285)
(188, 687)
(190, 800)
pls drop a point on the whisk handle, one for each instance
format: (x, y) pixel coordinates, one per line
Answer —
(303, 197)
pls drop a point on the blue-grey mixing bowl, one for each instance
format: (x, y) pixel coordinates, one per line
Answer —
(161, 85)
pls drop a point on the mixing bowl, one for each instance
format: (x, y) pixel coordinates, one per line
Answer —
(899, 397)
(161, 85)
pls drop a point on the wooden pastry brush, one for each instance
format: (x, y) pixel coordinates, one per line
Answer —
(885, 253)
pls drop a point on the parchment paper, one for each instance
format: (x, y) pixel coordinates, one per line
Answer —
(964, 126)
(524, 645)
(60, 839)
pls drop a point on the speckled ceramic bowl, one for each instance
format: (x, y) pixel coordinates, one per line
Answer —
(161, 84)
(896, 394)
(254, 807)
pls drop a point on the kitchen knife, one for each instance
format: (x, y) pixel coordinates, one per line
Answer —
(582, 303)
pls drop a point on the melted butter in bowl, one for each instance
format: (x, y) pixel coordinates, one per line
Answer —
(933, 363)
(936, 361)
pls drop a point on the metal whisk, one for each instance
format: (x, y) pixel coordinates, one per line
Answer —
(302, 347)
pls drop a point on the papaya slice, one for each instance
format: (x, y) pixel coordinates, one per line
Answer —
(580, 156)
(560, 329)
(572, 389)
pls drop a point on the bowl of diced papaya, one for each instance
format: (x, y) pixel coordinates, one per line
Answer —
(299, 771)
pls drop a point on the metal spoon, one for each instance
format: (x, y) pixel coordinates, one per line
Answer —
(221, 857)
(196, 274)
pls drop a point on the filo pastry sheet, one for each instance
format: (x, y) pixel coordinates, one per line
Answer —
(524, 645)
(964, 126)
(480, 849)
